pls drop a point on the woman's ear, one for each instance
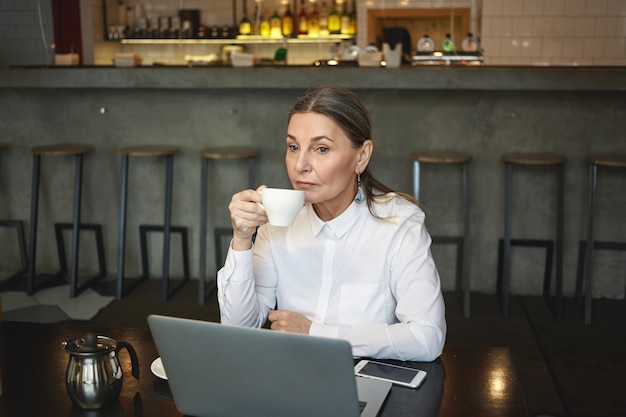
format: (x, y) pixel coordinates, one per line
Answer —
(365, 153)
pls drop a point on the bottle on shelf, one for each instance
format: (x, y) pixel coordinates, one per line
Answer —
(264, 25)
(303, 28)
(313, 23)
(256, 20)
(323, 19)
(245, 26)
(425, 44)
(334, 20)
(470, 43)
(353, 23)
(276, 25)
(287, 21)
(447, 45)
(345, 19)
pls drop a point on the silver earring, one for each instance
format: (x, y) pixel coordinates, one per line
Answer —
(359, 195)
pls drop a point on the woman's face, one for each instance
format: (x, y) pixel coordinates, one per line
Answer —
(322, 162)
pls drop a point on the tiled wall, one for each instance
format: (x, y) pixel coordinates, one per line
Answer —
(554, 32)
(513, 32)
(21, 41)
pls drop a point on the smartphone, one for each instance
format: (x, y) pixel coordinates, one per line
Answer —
(400, 375)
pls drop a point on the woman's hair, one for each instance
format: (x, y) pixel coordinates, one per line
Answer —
(348, 112)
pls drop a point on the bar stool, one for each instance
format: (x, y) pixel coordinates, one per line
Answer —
(586, 248)
(18, 225)
(462, 284)
(78, 151)
(217, 153)
(504, 250)
(123, 286)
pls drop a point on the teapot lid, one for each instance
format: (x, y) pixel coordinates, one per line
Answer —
(90, 344)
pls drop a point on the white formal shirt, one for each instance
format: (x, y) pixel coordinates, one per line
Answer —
(370, 281)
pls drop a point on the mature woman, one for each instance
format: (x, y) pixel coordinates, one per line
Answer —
(356, 263)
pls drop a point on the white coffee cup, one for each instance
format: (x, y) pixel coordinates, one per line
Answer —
(282, 205)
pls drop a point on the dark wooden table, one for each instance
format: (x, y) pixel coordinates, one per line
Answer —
(467, 381)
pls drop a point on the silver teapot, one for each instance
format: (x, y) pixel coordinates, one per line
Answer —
(94, 376)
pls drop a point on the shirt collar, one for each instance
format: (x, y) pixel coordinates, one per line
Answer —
(340, 225)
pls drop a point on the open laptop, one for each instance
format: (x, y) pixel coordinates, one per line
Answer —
(230, 371)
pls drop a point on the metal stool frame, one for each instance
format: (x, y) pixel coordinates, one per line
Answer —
(75, 288)
(613, 160)
(122, 288)
(509, 242)
(462, 280)
(229, 153)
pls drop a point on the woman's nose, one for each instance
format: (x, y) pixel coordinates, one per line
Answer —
(302, 162)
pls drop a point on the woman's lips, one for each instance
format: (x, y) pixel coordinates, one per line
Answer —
(302, 185)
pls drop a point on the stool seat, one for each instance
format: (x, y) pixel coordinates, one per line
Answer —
(150, 150)
(229, 152)
(607, 160)
(441, 157)
(533, 158)
(61, 149)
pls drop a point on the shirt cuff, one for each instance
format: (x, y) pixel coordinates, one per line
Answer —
(324, 330)
(238, 265)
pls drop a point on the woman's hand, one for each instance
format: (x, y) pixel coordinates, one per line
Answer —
(289, 321)
(246, 215)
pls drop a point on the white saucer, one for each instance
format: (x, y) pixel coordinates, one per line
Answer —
(157, 368)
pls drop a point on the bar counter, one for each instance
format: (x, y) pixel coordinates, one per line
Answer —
(486, 111)
(295, 77)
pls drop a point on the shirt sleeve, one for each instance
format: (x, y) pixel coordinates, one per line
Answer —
(419, 334)
(236, 291)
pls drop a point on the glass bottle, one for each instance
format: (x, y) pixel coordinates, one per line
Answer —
(447, 45)
(264, 25)
(288, 21)
(323, 19)
(313, 23)
(276, 26)
(245, 27)
(334, 20)
(352, 30)
(345, 19)
(469, 44)
(303, 19)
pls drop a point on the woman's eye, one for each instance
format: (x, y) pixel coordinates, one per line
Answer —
(293, 148)
(322, 149)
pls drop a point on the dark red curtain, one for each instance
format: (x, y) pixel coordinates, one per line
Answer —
(66, 22)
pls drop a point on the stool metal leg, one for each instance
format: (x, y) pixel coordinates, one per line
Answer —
(466, 236)
(78, 182)
(506, 273)
(593, 174)
(167, 227)
(416, 180)
(32, 246)
(121, 242)
(560, 227)
(204, 172)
